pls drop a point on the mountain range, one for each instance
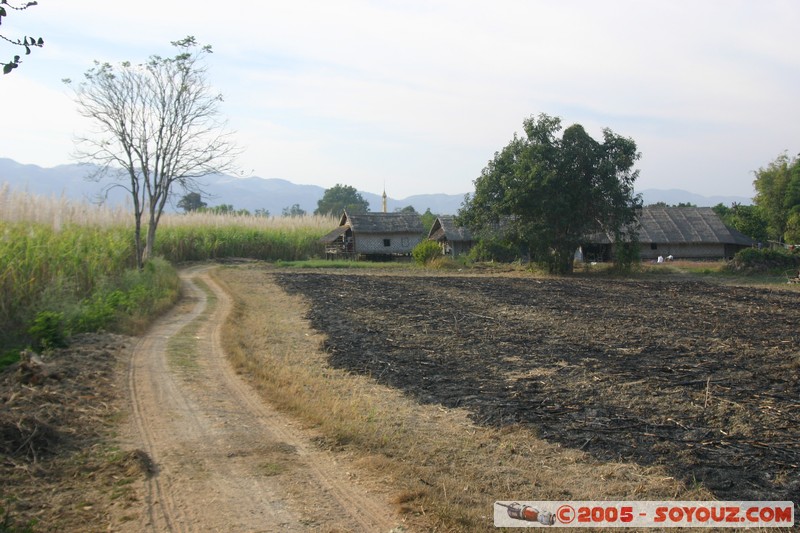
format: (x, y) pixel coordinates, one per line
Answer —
(272, 194)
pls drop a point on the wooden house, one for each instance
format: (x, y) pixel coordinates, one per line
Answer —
(455, 240)
(374, 235)
(681, 232)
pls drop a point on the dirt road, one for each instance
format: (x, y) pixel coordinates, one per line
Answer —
(223, 459)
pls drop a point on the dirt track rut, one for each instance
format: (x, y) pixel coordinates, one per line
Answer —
(223, 459)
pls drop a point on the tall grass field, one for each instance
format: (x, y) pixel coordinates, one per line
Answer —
(69, 267)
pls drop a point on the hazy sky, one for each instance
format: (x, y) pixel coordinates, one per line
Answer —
(419, 94)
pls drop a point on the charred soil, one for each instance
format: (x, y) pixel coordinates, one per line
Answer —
(698, 377)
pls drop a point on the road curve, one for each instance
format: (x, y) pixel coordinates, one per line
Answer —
(224, 459)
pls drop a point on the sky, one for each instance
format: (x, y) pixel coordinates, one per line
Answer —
(416, 96)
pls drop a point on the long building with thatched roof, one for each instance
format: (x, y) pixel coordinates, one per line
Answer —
(374, 234)
(681, 232)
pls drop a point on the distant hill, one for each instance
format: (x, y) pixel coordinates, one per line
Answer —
(272, 194)
(677, 196)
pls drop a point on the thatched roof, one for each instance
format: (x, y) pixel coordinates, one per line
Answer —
(683, 225)
(445, 228)
(383, 223)
(335, 234)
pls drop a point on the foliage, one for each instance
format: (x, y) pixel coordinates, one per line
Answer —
(158, 131)
(407, 209)
(128, 302)
(25, 43)
(191, 202)
(224, 209)
(499, 250)
(428, 219)
(793, 227)
(294, 211)
(778, 195)
(550, 193)
(47, 330)
(766, 259)
(426, 251)
(341, 198)
(747, 219)
(55, 283)
(40, 265)
(198, 243)
(77, 260)
(679, 204)
(627, 254)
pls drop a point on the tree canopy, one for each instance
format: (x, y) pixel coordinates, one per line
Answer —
(25, 43)
(340, 198)
(547, 194)
(157, 131)
(778, 196)
(192, 202)
(747, 219)
(294, 211)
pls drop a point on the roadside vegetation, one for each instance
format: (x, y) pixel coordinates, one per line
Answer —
(69, 267)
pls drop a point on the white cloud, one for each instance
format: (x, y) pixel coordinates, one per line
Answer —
(424, 92)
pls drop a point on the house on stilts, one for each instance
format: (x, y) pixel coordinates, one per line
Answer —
(376, 236)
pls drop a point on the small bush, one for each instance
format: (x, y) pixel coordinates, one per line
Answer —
(426, 251)
(47, 330)
(764, 260)
(628, 256)
(127, 303)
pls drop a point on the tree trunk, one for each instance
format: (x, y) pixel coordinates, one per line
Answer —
(562, 260)
(151, 238)
(137, 239)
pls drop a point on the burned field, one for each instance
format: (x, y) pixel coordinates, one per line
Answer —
(697, 377)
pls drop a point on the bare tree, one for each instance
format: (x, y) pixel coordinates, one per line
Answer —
(158, 128)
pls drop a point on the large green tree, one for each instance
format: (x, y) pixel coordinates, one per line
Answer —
(778, 194)
(339, 198)
(548, 193)
(192, 202)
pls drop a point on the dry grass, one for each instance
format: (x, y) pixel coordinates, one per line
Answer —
(58, 211)
(56, 253)
(444, 471)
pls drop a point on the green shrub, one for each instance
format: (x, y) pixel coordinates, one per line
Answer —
(126, 303)
(766, 259)
(47, 330)
(628, 256)
(494, 250)
(426, 251)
